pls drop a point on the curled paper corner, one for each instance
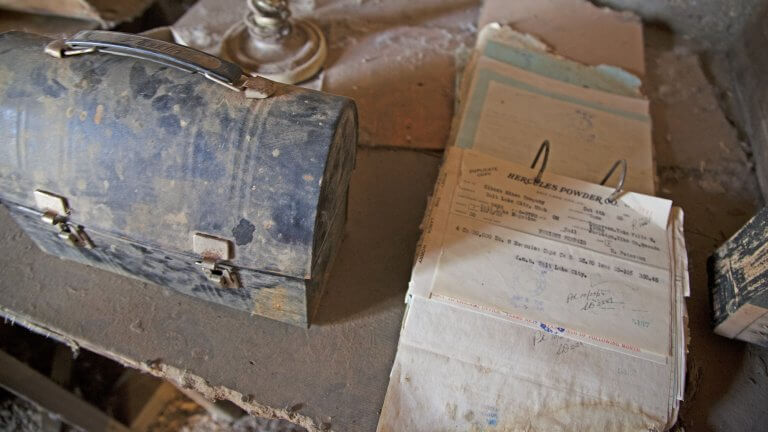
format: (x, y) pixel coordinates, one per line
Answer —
(535, 52)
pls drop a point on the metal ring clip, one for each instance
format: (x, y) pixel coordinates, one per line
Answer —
(622, 177)
(545, 148)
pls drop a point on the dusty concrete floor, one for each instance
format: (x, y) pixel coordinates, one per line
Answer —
(704, 167)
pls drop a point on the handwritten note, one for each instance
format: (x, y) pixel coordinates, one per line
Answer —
(557, 256)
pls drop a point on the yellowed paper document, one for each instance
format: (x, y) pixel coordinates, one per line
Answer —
(516, 95)
(514, 317)
(557, 255)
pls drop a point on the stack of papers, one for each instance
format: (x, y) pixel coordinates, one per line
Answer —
(517, 94)
(543, 305)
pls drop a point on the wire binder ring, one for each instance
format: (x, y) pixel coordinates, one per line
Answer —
(622, 176)
(545, 148)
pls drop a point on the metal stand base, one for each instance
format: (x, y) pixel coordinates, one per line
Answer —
(290, 59)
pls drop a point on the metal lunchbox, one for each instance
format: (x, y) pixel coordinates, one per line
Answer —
(169, 165)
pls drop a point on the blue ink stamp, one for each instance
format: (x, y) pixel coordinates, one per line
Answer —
(548, 329)
(491, 415)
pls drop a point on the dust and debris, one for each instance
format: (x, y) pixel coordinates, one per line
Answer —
(450, 409)
(708, 24)
(469, 415)
(137, 326)
(183, 415)
(187, 380)
(176, 218)
(19, 415)
(295, 407)
(682, 91)
(99, 114)
(703, 168)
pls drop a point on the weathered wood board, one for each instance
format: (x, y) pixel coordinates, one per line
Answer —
(739, 283)
(29, 384)
(335, 372)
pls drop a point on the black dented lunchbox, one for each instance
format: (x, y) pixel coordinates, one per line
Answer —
(167, 164)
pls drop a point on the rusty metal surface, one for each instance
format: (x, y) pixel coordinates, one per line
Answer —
(152, 155)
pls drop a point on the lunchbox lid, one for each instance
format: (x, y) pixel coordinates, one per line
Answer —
(160, 157)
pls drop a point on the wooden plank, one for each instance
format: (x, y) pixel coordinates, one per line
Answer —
(140, 398)
(336, 371)
(739, 283)
(28, 384)
(163, 394)
(219, 410)
(61, 368)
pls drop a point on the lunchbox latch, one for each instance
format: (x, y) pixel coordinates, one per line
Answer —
(55, 211)
(214, 250)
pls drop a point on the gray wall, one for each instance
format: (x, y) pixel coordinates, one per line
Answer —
(748, 61)
(713, 24)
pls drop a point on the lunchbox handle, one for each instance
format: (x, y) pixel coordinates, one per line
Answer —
(170, 54)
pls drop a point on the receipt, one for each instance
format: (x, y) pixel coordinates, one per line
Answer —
(562, 209)
(557, 255)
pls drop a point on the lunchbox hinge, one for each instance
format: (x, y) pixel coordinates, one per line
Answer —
(55, 211)
(213, 251)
